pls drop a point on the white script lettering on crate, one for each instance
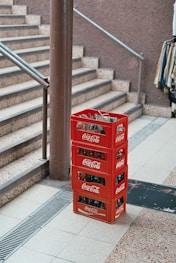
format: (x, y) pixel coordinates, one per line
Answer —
(91, 210)
(120, 137)
(90, 138)
(119, 211)
(120, 164)
(94, 211)
(91, 164)
(121, 188)
(91, 188)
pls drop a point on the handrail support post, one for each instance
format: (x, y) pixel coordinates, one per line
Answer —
(139, 80)
(44, 136)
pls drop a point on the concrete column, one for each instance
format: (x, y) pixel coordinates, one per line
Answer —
(61, 23)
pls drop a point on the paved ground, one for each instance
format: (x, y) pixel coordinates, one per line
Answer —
(150, 238)
(40, 226)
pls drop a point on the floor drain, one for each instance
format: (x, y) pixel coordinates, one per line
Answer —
(17, 236)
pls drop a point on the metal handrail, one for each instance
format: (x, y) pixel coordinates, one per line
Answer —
(132, 51)
(35, 74)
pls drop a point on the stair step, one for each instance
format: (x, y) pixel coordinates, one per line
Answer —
(10, 19)
(20, 115)
(5, 9)
(132, 110)
(26, 172)
(20, 166)
(30, 55)
(23, 108)
(88, 90)
(18, 30)
(19, 108)
(21, 134)
(20, 93)
(24, 42)
(20, 143)
(76, 63)
(29, 90)
(81, 75)
(14, 75)
(21, 42)
(34, 55)
(13, 151)
(104, 102)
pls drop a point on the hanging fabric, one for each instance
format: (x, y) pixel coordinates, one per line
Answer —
(166, 66)
(165, 77)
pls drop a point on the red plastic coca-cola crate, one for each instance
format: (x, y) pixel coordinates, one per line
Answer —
(100, 159)
(99, 128)
(100, 209)
(99, 185)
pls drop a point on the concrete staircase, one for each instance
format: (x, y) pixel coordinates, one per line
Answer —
(21, 163)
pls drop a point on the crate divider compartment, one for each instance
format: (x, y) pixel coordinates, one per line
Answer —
(109, 132)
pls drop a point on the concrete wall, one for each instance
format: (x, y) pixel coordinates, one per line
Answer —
(142, 25)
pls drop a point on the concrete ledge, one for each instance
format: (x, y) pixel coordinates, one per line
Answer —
(19, 9)
(44, 29)
(134, 112)
(157, 111)
(132, 97)
(90, 62)
(78, 51)
(33, 19)
(121, 85)
(104, 73)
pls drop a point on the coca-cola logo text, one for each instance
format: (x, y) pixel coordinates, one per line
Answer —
(91, 164)
(119, 189)
(90, 188)
(120, 164)
(120, 137)
(91, 210)
(91, 138)
(119, 210)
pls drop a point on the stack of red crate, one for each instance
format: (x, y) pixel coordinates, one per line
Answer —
(99, 164)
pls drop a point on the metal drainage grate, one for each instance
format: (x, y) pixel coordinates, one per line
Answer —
(27, 228)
